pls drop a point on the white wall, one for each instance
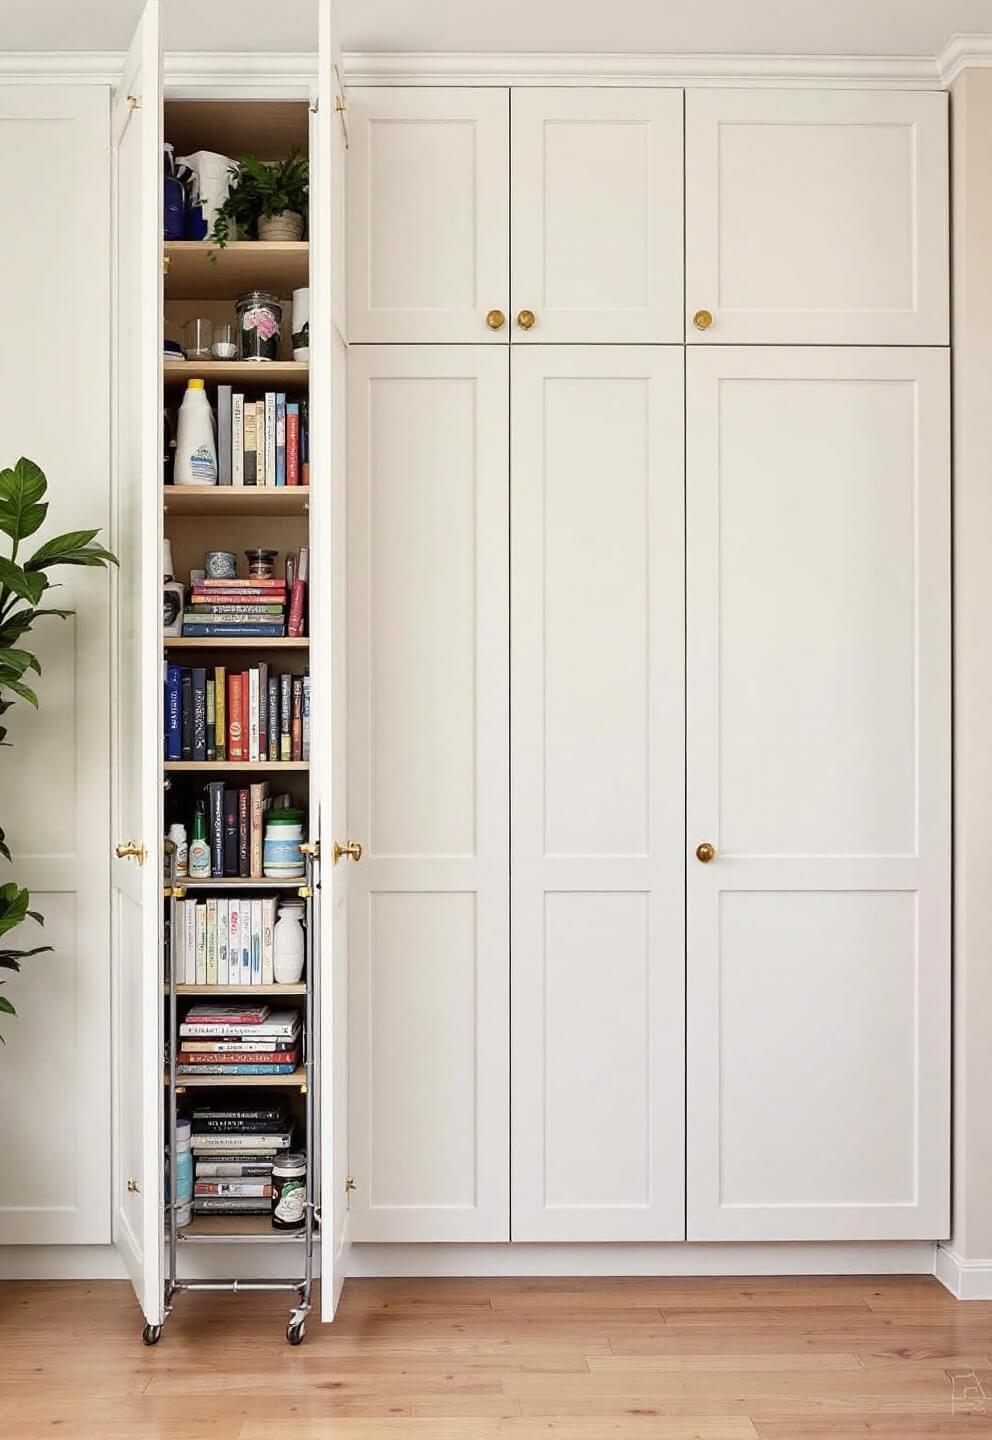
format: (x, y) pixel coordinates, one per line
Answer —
(971, 142)
(54, 783)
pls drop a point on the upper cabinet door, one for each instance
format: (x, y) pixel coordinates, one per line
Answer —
(136, 698)
(816, 217)
(597, 215)
(428, 215)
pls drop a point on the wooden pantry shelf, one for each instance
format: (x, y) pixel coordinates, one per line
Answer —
(296, 1081)
(236, 642)
(264, 373)
(280, 266)
(210, 767)
(236, 1227)
(224, 500)
(236, 990)
(239, 882)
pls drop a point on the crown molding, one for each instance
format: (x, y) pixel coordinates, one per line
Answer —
(963, 52)
(258, 74)
(840, 71)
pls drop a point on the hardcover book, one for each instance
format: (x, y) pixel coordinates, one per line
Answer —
(224, 413)
(250, 460)
(237, 439)
(220, 708)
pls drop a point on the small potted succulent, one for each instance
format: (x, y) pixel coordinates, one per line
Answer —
(266, 201)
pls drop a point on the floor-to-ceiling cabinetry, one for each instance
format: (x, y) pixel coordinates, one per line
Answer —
(703, 991)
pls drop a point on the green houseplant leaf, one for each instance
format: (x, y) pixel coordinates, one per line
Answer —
(261, 189)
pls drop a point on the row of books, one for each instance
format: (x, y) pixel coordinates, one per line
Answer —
(262, 442)
(234, 1150)
(235, 828)
(255, 608)
(246, 715)
(225, 941)
(233, 1040)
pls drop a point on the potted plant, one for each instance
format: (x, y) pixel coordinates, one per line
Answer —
(266, 201)
(23, 583)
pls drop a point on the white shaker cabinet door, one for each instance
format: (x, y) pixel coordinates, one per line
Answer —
(816, 217)
(428, 738)
(597, 806)
(596, 200)
(428, 214)
(818, 768)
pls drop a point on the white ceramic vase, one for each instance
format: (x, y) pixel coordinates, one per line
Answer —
(289, 945)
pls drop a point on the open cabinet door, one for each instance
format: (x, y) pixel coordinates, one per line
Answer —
(328, 378)
(136, 730)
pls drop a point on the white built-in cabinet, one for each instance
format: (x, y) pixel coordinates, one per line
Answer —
(728, 725)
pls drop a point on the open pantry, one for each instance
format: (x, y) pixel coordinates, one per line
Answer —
(228, 597)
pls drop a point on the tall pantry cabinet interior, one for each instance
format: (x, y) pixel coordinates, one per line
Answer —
(727, 880)
(156, 284)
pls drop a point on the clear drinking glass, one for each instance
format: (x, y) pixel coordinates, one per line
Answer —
(225, 346)
(197, 337)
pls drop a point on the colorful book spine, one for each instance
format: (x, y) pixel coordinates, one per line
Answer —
(211, 941)
(230, 832)
(208, 628)
(186, 709)
(250, 462)
(173, 713)
(285, 717)
(304, 443)
(244, 826)
(262, 453)
(292, 443)
(201, 944)
(234, 738)
(296, 730)
(235, 1069)
(220, 712)
(297, 603)
(215, 816)
(199, 713)
(272, 731)
(259, 804)
(223, 917)
(262, 708)
(237, 440)
(280, 439)
(253, 754)
(224, 431)
(270, 437)
(305, 755)
(211, 721)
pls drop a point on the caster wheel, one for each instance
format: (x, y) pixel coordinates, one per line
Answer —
(295, 1332)
(151, 1334)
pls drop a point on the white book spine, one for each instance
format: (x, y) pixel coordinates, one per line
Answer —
(270, 437)
(212, 940)
(189, 942)
(268, 941)
(201, 944)
(253, 713)
(245, 942)
(178, 945)
(260, 441)
(256, 942)
(234, 944)
(222, 919)
(237, 439)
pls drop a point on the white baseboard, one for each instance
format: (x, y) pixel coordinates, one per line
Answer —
(904, 1257)
(966, 1279)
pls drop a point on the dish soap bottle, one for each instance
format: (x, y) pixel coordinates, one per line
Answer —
(199, 847)
(196, 444)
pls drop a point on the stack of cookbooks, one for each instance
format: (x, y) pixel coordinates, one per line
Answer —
(238, 1040)
(231, 608)
(234, 1148)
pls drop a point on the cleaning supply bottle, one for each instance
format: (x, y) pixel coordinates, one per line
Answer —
(199, 846)
(196, 445)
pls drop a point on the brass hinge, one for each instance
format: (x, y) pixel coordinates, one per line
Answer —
(166, 262)
(134, 101)
(311, 848)
(304, 892)
(340, 104)
(174, 892)
(351, 1183)
(133, 1188)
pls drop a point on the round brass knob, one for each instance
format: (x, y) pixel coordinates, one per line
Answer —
(705, 852)
(495, 319)
(702, 319)
(525, 319)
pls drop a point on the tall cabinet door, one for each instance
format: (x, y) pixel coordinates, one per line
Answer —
(428, 214)
(816, 217)
(136, 702)
(597, 217)
(597, 1037)
(428, 608)
(818, 770)
(329, 647)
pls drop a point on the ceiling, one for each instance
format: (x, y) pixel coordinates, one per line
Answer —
(776, 27)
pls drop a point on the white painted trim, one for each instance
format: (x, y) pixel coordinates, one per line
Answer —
(267, 73)
(842, 71)
(963, 52)
(912, 1257)
(255, 1261)
(966, 1279)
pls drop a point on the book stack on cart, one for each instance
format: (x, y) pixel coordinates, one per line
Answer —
(238, 1040)
(234, 1149)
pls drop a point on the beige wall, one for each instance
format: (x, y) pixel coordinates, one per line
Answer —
(971, 140)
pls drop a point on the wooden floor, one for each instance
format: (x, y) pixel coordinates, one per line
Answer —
(820, 1359)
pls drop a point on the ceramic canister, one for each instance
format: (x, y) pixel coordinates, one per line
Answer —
(220, 564)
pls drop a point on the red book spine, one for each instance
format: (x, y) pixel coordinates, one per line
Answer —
(235, 734)
(292, 449)
(255, 582)
(245, 714)
(295, 624)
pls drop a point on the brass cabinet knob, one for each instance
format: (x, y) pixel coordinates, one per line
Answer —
(353, 850)
(526, 319)
(495, 319)
(131, 850)
(705, 852)
(702, 319)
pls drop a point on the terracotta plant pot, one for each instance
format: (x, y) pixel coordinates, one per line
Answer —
(287, 226)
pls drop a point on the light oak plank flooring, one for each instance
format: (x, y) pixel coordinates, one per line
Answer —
(613, 1359)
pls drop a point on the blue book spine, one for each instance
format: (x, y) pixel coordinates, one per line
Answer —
(235, 1069)
(206, 630)
(173, 713)
(199, 713)
(280, 439)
